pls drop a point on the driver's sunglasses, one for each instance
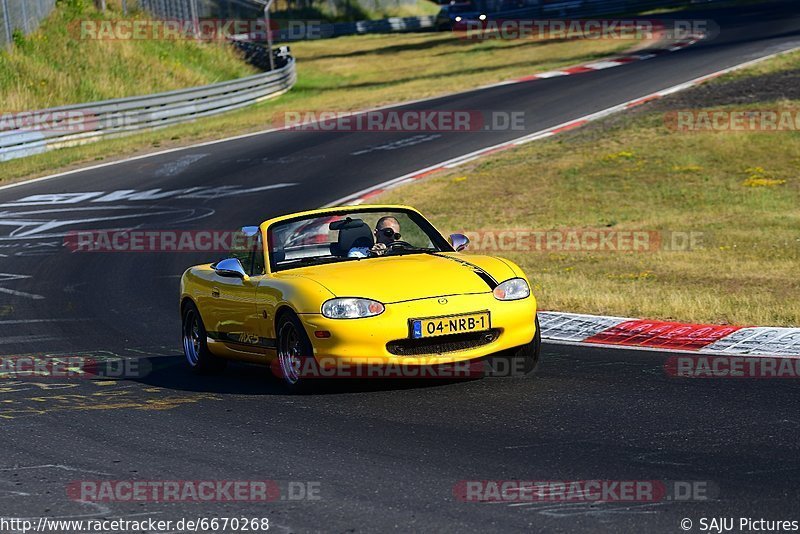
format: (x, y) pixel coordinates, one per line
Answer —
(389, 232)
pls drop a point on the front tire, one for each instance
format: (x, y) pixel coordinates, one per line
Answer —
(294, 348)
(195, 348)
(519, 361)
(528, 355)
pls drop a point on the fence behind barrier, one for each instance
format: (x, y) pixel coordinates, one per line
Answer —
(21, 16)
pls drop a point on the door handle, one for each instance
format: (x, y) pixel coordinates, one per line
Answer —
(215, 292)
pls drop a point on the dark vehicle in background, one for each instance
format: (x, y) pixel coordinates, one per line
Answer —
(456, 15)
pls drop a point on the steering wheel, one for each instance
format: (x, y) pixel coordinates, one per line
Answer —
(395, 244)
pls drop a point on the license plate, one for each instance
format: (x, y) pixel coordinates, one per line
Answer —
(450, 324)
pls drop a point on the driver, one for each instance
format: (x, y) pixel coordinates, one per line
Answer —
(387, 231)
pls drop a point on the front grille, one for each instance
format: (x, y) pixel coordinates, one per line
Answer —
(441, 344)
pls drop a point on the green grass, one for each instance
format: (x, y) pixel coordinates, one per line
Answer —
(52, 67)
(692, 6)
(343, 74)
(740, 191)
(779, 63)
(354, 11)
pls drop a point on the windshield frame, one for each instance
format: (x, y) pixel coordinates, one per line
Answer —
(417, 218)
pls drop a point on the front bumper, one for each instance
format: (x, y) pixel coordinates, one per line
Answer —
(364, 341)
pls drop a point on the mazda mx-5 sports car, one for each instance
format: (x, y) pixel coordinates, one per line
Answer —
(355, 285)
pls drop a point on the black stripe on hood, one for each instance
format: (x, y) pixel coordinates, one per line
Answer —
(483, 275)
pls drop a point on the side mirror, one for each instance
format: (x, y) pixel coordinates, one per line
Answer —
(230, 268)
(459, 242)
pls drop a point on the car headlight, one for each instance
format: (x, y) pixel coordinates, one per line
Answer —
(351, 308)
(514, 289)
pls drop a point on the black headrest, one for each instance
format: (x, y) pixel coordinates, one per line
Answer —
(352, 233)
(347, 222)
(278, 253)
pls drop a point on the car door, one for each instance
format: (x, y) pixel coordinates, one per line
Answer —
(237, 319)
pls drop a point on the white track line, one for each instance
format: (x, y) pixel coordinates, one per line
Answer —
(20, 293)
(645, 348)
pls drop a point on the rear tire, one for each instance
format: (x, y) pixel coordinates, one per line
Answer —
(195, 348)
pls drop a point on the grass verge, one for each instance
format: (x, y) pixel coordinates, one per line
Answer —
(738, 192)
(354, 11)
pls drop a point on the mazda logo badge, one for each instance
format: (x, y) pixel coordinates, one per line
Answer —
(443, 301)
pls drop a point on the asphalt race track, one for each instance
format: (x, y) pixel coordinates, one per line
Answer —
(385, 455)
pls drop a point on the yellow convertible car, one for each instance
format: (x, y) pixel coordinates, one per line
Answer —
(356, 285)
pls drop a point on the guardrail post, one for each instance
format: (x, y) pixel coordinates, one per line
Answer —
(269, 35)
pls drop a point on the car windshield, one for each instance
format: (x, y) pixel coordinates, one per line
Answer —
(351, 236)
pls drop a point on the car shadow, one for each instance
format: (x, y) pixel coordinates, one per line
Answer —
(171, 372)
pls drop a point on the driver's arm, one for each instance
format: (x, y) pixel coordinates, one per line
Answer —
(358, 252)
(378, 248)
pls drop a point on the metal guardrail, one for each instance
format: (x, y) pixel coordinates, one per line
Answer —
(395, 24)
(554, 8)
(589, 8)
(64, 126)
(316, 30)
(586, 8)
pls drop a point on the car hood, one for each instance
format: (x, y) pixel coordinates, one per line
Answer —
(408, 277)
